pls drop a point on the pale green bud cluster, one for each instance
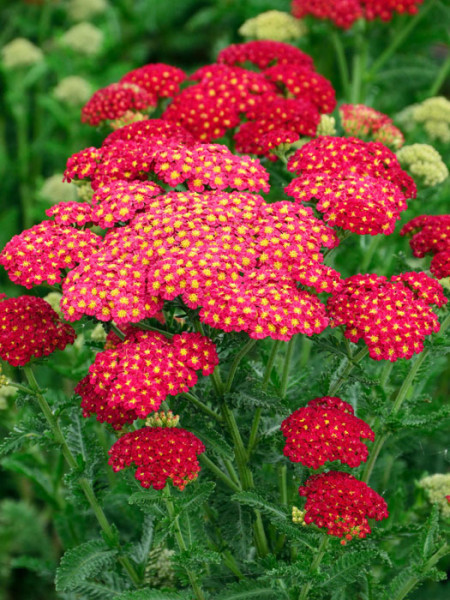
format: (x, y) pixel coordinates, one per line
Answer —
(423, 162)
(98, 334)
(21, 53)
(84, 190)
(327, 125)
(54, 299)
(434, 113)
(83, 38)
(6, 391)
(159, 571)
(162, 419)
(55, 190)
(437, 488)
(82, 10)
(273, 25)
(298, 516)
(73, 91)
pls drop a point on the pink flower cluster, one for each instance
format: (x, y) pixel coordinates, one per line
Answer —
(30, 328)
(326, 430)
(392, 317)
(130, 380)
(342, 504)
(361, 121)
(161, 454)
(431, 234)
(358, 185)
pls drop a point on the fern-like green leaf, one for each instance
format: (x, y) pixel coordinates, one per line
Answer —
(348, 568)
(82, 562)
(248, 590)
(258, 502)
(151, 595)
(198, 497)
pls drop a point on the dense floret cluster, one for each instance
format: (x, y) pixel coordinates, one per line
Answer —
(363, 121)
(326, 430)
(161, 454)
(158, 79)
(358, 185)
(232, 255)
(392, 317)
(115, 100)
(263, 53)
(131, 379)
(40, 254)
(344, 13)
(424, 162)
(341, 504)
(30, 328)
(431, 234)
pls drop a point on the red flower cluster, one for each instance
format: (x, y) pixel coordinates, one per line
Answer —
(359, 186)
(149, 129)
(138, 91)
(326, 430)
(362, 121)
(38, 255)
(231, 254)
(30, 328)
(131, 379)
(113, 101)
(160, 454)
(264, 53)
(344, 13)
(342, 504)
(392, 317)
(304, 83)
(197, 166)
(159, 79)
(431, 234)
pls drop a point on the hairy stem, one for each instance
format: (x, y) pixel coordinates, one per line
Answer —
(342, 63)
(314, 565)
(353, 361)
(202, 406)
(207, 462)
(236, 362)
(411, 583)
(287, 366)
(440, 78)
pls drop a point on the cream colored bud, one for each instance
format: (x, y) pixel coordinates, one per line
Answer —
(21, 53)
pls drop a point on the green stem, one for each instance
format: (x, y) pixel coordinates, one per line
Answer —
(148, 327)
(269, 365)
(385, 373)
(359, 64)
(369, 254)
(202, 406)
(400, 37)
(342, 63)
(286, 367)
(400, 398)
(440, 78)
(219, 473)
(196, 587)
(83, 482)
(235, 364)
(314, 565)
(120, 334)
(254, 430)
(411, 583)
(348, 369)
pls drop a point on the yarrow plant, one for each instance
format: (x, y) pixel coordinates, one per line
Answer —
(206, 280)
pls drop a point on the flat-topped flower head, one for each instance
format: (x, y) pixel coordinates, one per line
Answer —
(302, 82)
(360, 204)
(342, 505)
(39, 254)
(430, 234)
(159, 79)
(344, 157)
(273, 25)
(424, 162)
(344, 13)
(199, 166)
(392, 317)
(71, 213)
(114, 101)
(264, 53)
(326, 430)
(147, 129)
(161, 454)
(363, 121)
(134, 377)
(30, 328)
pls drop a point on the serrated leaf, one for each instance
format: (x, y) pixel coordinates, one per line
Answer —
(348, 568)
(151, 595)
(16, 439)
(256, 501)
(82, 562)
(146, 499)
(428, 539)
(141, 550)
(247, 590)
(214, 442)
(198, 498)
